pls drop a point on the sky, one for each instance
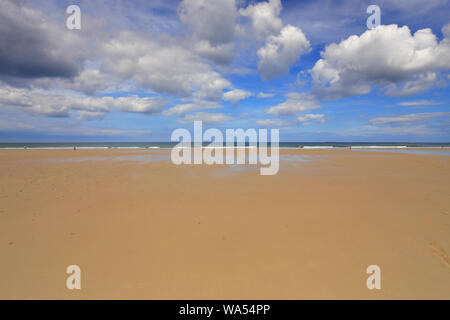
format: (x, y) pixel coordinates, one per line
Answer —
(139, 69)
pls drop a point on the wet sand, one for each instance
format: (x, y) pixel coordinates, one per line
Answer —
(140, 227)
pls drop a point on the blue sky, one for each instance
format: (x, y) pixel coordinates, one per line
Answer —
(137, 70)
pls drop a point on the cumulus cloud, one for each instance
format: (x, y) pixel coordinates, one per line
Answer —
(388, 56)
(236, 95)
(36, 102)
(34, 47)
(306, 118)
(282, 45)
(162, 68)
(40, 53)
(182, 109)
(296, 102)
(407, 118)
(147, 105)
(264, 17)
(220, 54)
(39, 102)
(89, 81)
(419, 84)
(58, 62)
(206, 118)
(213, 25)
(281, 51)
(212, 20)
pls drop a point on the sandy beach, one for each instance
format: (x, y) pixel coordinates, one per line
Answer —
(140, 227)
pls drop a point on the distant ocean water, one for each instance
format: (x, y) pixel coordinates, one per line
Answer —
(166, 145)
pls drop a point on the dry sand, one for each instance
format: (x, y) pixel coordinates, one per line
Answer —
(153, 230)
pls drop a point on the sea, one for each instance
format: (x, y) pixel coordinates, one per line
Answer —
(169, 145)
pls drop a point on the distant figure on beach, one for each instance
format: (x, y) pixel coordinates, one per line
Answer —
(350, 147)
(74, 148)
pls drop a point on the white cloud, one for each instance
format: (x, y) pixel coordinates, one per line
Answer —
(280, 52)
(282, 45)
(41, 53)
(181, 109)
(407, 118)
(162, 68)
(236, 95)
(213, 23)
(296, 102)
(387, 56)
(211, 20)
(40, 102)
(303, 119)
(419, 103)
(89, 81)
(265, 95)
(89, 115)
(147, 105)
(274, 123)
(36, 102)
(264, 17)
(419, 84)
(206, 118)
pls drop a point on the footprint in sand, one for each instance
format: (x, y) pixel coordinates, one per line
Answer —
(441, 254)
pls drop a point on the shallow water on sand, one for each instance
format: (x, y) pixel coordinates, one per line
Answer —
(140, 158)
(430, 152)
